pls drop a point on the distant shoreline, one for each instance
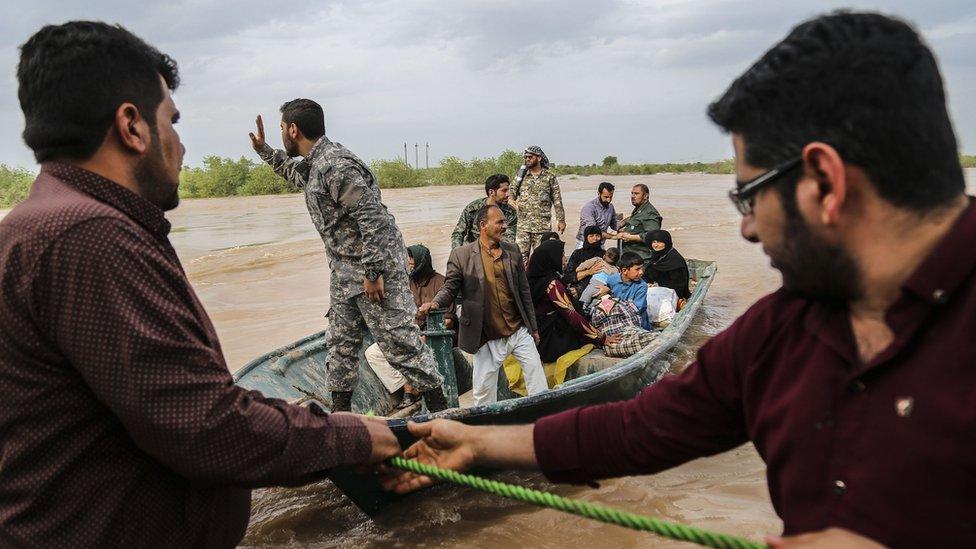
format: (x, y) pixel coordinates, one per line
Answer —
(225, 177)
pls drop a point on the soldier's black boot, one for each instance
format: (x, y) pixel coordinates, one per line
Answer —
(341, 401)
(435, 401)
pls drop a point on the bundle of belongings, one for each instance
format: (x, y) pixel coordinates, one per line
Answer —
(615, 316)
(662, 305)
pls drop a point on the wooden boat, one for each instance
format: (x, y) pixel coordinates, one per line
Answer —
(297, 373)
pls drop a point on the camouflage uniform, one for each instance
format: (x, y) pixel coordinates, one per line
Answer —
(467, 229)
(359, 234)
(536, 195)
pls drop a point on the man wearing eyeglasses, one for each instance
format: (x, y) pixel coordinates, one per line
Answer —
(856, 380)
(535, 194)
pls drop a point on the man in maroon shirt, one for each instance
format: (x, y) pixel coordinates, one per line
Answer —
(120, 424)
(857, 380)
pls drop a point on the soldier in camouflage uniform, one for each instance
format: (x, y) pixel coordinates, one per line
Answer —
(536, 193)
(496, 189)
(368, 259)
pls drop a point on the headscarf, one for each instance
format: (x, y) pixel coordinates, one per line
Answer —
(667, 259)
(588, 250)
(581, 255)
(423, 267)
(537, 150)
(545, 265)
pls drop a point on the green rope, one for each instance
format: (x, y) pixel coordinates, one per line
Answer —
(589, 510)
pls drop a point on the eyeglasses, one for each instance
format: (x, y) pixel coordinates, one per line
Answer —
(744, 195)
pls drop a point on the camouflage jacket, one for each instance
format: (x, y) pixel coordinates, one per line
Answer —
(467, 230)
(344, 202)
(537, 195)
(644, 219)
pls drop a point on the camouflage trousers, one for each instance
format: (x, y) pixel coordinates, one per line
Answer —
(527, 242)
(391, 322)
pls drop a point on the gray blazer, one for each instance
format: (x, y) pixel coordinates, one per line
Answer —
(466, 275)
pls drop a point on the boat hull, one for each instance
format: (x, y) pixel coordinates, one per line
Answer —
(298, 372)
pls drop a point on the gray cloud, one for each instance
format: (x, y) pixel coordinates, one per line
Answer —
(584, 79)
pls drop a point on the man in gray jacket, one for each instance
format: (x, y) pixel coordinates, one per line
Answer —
(497, 315)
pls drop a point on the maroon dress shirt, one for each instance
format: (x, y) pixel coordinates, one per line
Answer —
(886, 449)
(120, 424)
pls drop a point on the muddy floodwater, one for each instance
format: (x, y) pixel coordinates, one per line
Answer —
(260, 269)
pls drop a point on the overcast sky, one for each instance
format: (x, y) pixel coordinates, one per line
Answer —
(582, 79)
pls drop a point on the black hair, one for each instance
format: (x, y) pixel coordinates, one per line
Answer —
(307, 115)
(863, 83)
(551, 235)
(495, 181)
(643, 187)
(628, 260)
(73, 77)
(612, 255)
(482, 217)
(605, 186)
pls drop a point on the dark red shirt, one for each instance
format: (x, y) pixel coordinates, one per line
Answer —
(120, 424)
(886, 449)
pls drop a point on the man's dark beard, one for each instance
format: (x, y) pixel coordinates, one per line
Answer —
(815, 268)
(291, 147)
(150, 175)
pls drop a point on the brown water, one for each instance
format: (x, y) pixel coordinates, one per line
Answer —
(261, 271)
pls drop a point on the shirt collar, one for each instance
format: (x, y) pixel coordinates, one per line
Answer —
(951, 262)
(319, 147)
(105, 190)
(599, 204)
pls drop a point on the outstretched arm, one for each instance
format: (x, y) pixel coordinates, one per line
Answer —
(454, 445)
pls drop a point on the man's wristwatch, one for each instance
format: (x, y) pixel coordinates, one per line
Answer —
(372, 275)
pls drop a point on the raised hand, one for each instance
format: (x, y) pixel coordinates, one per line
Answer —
(257, 141)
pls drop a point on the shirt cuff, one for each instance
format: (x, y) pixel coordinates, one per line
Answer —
(353, 443)
(266, 153)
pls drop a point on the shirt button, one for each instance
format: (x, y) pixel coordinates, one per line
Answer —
(940, 296)
(840, 487)
(858, 387)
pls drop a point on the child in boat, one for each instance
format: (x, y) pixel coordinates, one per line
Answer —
(608, 262)
(613, 316)
(591, 294)
(629, 286)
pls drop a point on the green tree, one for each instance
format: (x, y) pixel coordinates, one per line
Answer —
(609, 161)
(15, 183)
(261, 179)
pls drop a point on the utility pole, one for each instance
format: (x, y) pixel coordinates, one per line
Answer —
(416, 156)
(405, 161)
(427, 155)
